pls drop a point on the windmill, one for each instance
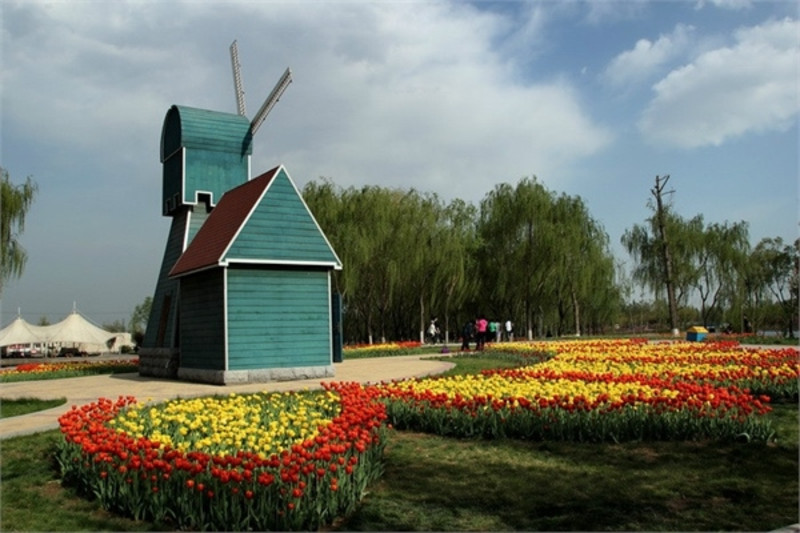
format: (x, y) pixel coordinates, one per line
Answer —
(269, 103)
(204, 154)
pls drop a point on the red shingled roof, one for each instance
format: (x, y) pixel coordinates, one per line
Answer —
(222, 225)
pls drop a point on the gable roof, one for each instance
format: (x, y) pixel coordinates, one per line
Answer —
(230, 219)
(222, 225)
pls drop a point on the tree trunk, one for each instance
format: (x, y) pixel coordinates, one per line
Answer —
(577, 313)
(421, 319)
(528, 319)
(665, 254)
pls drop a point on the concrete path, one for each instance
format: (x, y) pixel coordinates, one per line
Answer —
(80, 391)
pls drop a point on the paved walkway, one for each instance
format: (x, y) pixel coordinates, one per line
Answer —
(80, 391)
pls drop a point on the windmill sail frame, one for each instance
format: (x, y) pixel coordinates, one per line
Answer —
(271, 100)
(237, 80)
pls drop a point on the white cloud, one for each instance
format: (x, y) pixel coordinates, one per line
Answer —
(726, 4)
(751, 86)
(457, 140)
(647, 57)
(526, 31)
(422, 100)
(399, 93)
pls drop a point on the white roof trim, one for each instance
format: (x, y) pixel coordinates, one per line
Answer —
(286, 262)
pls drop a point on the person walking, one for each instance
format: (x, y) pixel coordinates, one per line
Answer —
(466, 335)
(481, 325)
(509, 327)
(433, 331)
(492, 333)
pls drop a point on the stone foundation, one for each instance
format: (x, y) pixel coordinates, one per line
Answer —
(258, 375)
(159, 362)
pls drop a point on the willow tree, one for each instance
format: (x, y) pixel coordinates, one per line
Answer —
(339, 215)
(778, 271)
(584, 278)
(394, 247)
(455, 275)
(418, 221)
(719, 259)
(518, 240)
(664, 248)
(15, 200)
(653, 248)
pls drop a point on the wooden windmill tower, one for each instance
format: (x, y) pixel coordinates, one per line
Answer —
(204, 154)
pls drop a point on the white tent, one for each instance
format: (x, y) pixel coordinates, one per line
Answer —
(19, 332)
(74, 331)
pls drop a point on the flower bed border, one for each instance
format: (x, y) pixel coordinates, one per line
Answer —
(302, 488)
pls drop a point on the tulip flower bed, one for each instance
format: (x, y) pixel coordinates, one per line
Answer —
(251, 462)
(772, 372)
(67, 369)
(605, 391)
(299, 460)
(386, 349)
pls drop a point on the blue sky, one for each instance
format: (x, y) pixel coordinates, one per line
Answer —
(593, 98)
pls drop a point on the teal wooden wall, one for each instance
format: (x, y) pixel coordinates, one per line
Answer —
(215, 172)
(160, 331)
(277, 318)
(202, 325)
(282, 229)
(198, 218)
(202, 151)
(172, 184)
(204, 172)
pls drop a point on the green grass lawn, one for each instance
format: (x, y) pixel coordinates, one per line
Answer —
(439, 484)
(23, 406)
(33, 499)
(435, 483)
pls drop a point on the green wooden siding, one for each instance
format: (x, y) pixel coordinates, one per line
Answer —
(217, 148)
(281, 229)
(172, 184)
(278, 318)
(199, 217)
(201, 322)
(201, 128)
(160, 331)
(214, 172)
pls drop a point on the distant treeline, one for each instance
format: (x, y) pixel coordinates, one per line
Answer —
(541, 260)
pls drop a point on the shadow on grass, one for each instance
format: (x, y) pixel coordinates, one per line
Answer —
(433, 483)
(33, 498)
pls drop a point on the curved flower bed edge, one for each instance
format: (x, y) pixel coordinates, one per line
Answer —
(304, 487)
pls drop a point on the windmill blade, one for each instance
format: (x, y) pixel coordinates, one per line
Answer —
(271, 100)
(237, 79)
